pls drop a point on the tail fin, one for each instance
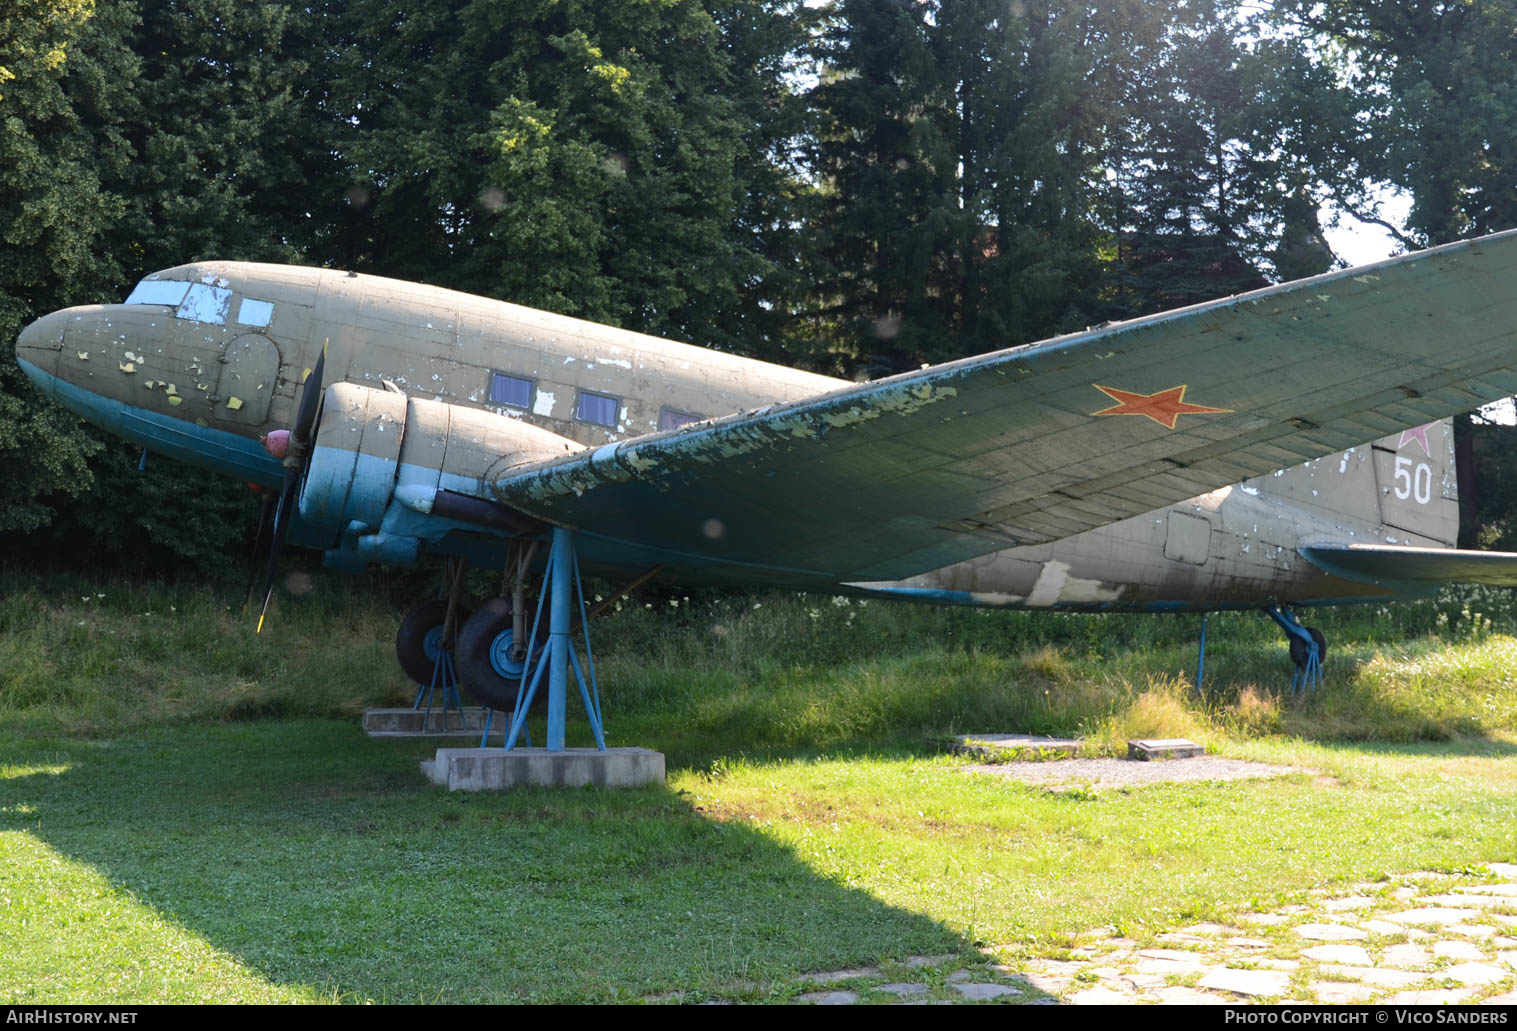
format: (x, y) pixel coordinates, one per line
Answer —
(1403, 488)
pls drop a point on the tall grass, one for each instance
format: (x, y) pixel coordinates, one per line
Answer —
(714, 672)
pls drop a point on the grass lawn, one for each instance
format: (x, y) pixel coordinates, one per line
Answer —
(155, 847)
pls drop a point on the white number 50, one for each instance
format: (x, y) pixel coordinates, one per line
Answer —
(1412, 482)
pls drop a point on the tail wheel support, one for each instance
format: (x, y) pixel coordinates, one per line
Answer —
(1307, 649)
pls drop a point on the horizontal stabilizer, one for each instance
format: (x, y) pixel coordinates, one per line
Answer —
(1375, 564)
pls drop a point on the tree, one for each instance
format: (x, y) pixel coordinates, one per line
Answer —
(961, 152)
(63, 70)
(1215, 186)
(596, 159)
(1436, 90)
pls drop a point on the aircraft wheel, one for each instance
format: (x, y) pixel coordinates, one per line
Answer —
(419, 636)
(486, 667)
(1298, 647)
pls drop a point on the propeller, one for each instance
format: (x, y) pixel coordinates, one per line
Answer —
(265, 516)
(295, 459)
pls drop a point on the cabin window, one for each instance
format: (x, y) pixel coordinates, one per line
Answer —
(596, 408)
(672, 419)
(510, 390)
(205, 303)
(255, 313)
(159, 291)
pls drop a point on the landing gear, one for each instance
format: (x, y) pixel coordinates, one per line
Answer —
(492, 657)
(1300, 652)
(1307, 649)
(420, 638)
(424, 645)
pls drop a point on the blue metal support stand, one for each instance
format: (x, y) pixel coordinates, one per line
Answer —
(1201, 655)
(561, 585)
(484, 738)
(444, 676)
(1308, 677)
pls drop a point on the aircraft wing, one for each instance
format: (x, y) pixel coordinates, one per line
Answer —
(1384, 564)
(884, 480)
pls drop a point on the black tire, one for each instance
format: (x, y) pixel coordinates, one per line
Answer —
(416, 640)
(482, 656)
(1298, 647)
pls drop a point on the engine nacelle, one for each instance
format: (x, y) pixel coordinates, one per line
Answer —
(373, 447)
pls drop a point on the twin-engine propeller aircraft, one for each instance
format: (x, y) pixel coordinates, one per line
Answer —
(1203, 459)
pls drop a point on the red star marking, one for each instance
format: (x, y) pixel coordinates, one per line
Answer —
(1164, 407)
(1419, 434)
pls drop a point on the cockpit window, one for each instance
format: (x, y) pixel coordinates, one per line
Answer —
(159, 291)
(205, 303)
(255, 313)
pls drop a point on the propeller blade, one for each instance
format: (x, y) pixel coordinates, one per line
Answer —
(265, 521)
(295, 460)
(276, 544)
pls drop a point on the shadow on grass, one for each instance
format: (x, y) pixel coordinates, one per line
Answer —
(317, 857)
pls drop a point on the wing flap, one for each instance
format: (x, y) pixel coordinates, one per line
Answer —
(884, 480)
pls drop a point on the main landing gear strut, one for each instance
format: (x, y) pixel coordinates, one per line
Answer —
(1307, 650)
(495, 656)
(424, 646)
(1307, 646)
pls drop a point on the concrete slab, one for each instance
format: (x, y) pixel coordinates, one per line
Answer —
(1373, 975)
(493, 769)
(1430, 916)
(1179, 995)
(1163, 748)
(1476, 973)
(1447, 997)
(903, 989)
(1247, 982)
(1353, 955)
(420, 723)
(1407, 954)
(1330, 932)
(832, 976)
(1342, 993)
(1010, 746)
(1458, 951)
(977, 991)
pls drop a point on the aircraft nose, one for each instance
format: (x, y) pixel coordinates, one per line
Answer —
(38, 347)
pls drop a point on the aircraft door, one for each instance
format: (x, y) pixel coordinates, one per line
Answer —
(249, 371)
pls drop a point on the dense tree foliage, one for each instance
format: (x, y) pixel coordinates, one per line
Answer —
(858, 186)
(618, 162)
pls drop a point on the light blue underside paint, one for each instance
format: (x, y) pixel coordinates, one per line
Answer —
(937, 596)
(204, 446)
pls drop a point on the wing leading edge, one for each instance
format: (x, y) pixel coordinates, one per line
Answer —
(1384, 564)
(884, 480)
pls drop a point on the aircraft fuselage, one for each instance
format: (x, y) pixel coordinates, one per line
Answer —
(205, 359)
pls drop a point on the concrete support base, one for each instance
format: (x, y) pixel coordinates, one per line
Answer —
(409, 723)
(1014, 746)
(491, 769)
(1164, 748)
